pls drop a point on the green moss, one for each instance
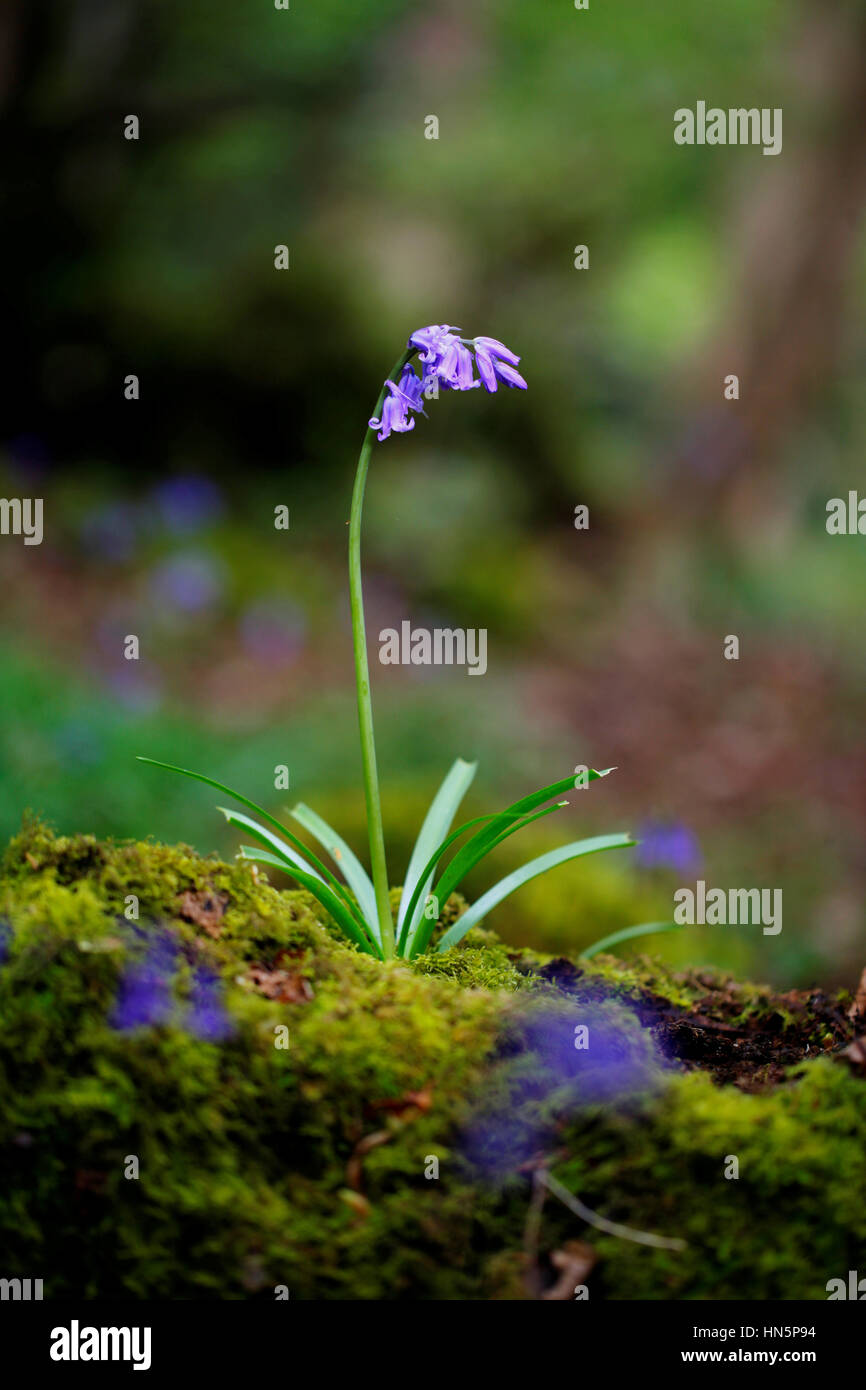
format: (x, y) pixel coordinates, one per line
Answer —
(481, 961)
(639, 976)
(793, 1219)
(307, 1166)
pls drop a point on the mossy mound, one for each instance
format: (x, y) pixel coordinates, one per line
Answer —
(287, 1103)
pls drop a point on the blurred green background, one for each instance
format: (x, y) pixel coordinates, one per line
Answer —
(306, 128)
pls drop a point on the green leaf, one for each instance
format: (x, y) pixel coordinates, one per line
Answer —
(436, 855)
(261, 856)
(329, 901)
(351, 867)
(288, 858)
(307, 854)
(437, 824)
(626, 934)
(299, 869)
(455, 835)
(498, 828)
(515, 880)
(476, 848)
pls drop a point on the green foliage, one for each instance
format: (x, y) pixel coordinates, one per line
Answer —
(357, 915)
(627, 934)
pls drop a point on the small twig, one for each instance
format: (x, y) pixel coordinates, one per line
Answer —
(613, 1228)
(532, 1236)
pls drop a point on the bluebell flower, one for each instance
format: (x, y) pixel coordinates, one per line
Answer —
(206, 1017)
(549, 1075)
(432, 342)
(497, 349)
(411, 388)
(497, 363)
(454, 368)
(448, 360)
(145, 996)
(188, 503)
(191, 581)
(394, 416)
(668, 847)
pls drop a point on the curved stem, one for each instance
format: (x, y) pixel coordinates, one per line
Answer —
(362, 680)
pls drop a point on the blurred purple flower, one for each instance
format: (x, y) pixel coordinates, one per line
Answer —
(136, 692)
(206, 1017)
(551, 1072)
(188, 503)
(145, 995)
(274, 630)
(5, 938)
(110, 532)
(668, 846)
(191, 581)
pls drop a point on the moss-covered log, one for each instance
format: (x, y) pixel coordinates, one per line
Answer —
(204, 1093)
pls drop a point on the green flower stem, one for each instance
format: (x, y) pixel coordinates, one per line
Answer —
(362, 679)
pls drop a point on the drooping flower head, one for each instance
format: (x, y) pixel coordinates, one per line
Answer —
(447, 360)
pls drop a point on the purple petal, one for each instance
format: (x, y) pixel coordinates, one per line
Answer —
(465, 379)
(498, 349)
(484, 363)
(411, 388)
(394, 410)
(431, 341)
(447, 368)
(509, 375)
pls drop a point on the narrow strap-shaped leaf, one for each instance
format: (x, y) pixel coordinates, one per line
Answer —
(261, 856)
(515, 880)
(416, 948)
(498, 828)
(524, 821)
(296, 866)
(306, 853)
(437, 824)
(287, 857)
(431, 864)
(626, 934)
(420, 942)
(324, 895)
(347, 862)
(475, 849)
